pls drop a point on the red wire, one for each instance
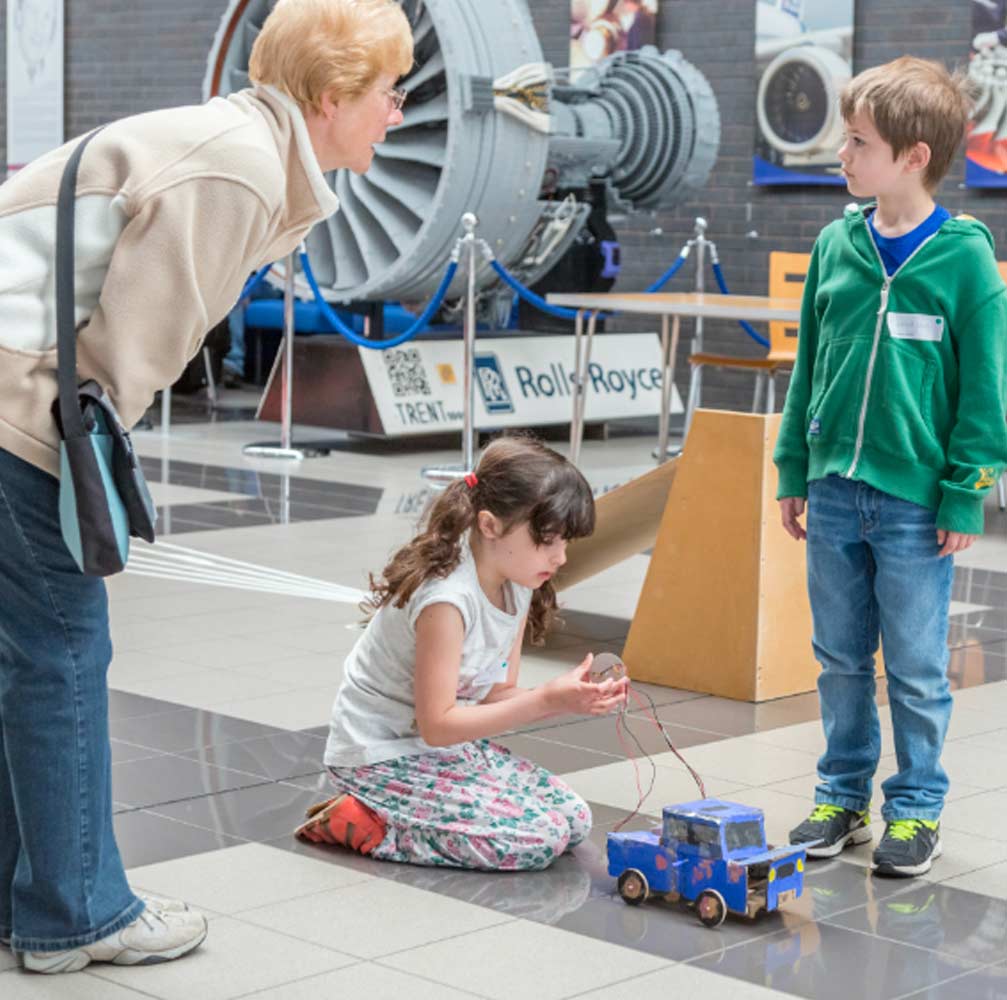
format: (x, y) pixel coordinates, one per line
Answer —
(619, 723)
(661, 729)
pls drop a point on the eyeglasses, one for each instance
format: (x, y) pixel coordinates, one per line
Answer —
(397, 96)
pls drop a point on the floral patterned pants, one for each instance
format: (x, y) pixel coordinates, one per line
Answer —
(475, 805)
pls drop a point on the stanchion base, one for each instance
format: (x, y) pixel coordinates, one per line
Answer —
(442, 476)
(672, 451)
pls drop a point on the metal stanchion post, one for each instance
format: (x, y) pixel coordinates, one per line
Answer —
(444, 475)
(468, 409)
(166, 411)
(286, 449)
(583, 363)
(701, 243)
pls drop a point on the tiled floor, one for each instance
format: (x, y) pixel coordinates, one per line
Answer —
(229, 638)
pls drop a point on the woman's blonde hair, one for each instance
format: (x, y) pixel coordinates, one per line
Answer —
(519, 480)
(308, 48)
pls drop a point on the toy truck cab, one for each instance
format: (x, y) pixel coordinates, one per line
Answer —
(711, 854)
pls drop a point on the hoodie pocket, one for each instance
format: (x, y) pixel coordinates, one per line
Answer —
(832, 415)
(900, 421)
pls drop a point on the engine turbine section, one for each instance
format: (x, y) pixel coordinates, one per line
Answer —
(486, 129)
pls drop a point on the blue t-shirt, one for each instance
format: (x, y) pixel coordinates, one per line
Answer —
(896, 250)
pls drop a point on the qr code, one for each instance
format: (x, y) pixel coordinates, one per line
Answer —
(406, 373)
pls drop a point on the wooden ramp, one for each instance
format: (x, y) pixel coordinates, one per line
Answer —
(626, 522)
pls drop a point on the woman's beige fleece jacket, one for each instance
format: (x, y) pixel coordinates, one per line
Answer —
(174, 209)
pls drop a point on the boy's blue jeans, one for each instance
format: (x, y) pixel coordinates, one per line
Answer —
(62, 884)
(873, 567)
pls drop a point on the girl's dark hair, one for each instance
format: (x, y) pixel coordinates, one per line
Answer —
(519, 480)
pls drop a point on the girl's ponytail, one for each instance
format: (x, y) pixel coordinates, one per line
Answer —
(434, 552)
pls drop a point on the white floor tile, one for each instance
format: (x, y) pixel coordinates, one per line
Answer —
(18, 985)
(240, 878)
(990, 881)
(744, 759)
(303, 708)
(235, 959)
(616, 785)
(374, 918)
(521, 960)
(981, 815)
(964, 853)
(203, 687)
(363, 980)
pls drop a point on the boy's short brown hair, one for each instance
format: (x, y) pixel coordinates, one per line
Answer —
(914, 100)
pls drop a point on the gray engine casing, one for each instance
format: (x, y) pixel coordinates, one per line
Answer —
(645, 123)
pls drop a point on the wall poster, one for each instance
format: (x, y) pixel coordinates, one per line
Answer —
(600, 27)
(34, 79)
(986, 148)
(803, 56)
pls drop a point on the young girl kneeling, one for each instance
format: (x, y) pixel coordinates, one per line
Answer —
(435, 674)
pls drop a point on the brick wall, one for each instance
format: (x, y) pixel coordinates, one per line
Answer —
(124, 58)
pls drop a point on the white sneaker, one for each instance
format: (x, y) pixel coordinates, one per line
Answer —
(157, 935)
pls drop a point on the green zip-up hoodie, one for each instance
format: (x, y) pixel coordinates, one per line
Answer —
(901, 381)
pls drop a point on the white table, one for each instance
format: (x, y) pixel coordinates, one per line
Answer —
(670, 307)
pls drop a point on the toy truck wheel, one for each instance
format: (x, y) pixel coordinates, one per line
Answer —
(633, 886)
(711, 908)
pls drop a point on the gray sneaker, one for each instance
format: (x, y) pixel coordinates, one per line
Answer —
(155, 936)
(829, 829)
(908, 848)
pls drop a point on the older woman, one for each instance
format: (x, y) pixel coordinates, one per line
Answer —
(174, 209)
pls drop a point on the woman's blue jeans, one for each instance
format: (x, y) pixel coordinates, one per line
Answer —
(873, 568)
(62, 883)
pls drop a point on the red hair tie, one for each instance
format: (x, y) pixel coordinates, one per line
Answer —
(471, 479)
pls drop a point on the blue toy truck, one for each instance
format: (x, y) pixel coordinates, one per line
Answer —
(711, 854)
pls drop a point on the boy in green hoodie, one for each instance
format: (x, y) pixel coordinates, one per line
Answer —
(894, 430)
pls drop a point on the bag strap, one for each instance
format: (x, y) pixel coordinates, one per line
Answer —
(66, 329)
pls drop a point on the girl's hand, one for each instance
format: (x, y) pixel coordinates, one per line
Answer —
(573, 693)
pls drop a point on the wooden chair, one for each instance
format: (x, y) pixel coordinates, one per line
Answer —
(787, 272)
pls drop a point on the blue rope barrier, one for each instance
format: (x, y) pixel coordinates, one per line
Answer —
(353, 337)
(670, 273)
(529, 296)
(253, 282)
(747, 327)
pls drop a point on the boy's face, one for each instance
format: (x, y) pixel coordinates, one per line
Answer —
(870, 168)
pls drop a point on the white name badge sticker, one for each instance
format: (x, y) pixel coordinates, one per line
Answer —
(916, 326)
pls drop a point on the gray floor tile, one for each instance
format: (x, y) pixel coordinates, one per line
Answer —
(186, 729)
(168, 778)
(824, 962)
(553, 756)
(123, 752)
(741, 718)
(939, 918)
(261, 813)
(146, 839)
(278, 756)
(604, 736)
(986, 984)
(545, 897)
